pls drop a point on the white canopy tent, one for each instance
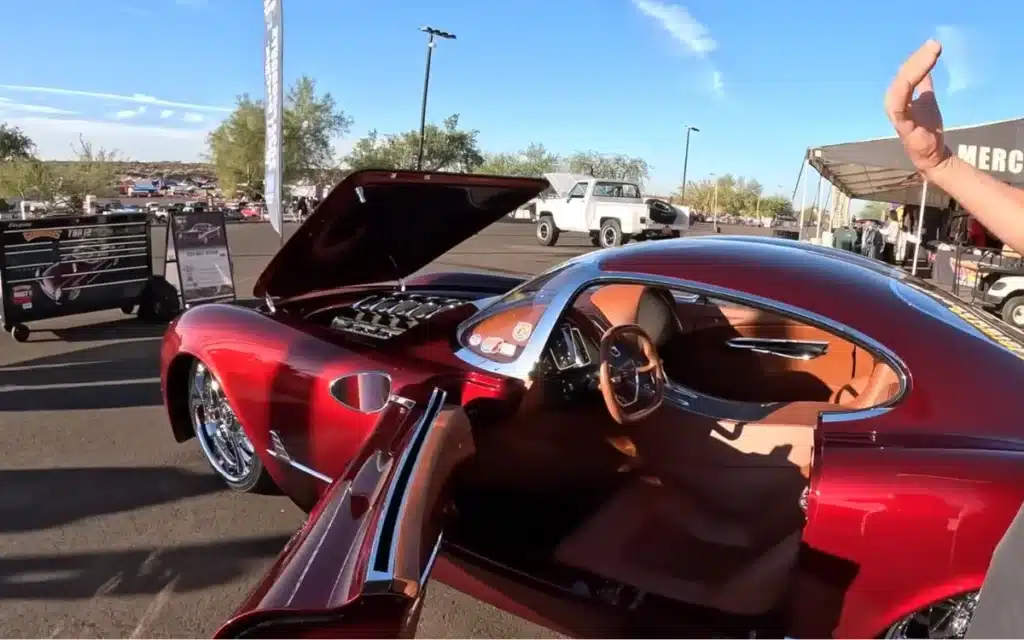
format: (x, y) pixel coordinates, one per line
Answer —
(879, 170)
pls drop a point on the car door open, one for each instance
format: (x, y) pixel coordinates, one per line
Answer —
(360, 565)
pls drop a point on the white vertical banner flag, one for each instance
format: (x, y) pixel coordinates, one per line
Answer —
(273, 69)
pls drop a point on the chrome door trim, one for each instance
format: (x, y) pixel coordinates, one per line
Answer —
(398, 496)
(781, 347)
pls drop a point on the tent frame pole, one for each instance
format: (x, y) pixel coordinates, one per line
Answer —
(803, 199)
(819, 204)
(920, 226)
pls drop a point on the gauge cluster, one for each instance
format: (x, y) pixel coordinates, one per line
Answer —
(568, 349)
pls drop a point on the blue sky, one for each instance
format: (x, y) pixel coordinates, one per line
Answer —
(763, 80)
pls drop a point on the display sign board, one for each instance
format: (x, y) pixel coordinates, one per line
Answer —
(63, 265)
(198, 261)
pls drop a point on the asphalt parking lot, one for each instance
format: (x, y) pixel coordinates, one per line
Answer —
(108, 528)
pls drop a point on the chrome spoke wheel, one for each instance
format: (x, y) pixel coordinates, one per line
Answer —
(220, 435)
(947, 619)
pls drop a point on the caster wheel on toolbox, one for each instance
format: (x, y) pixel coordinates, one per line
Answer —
(19, 332)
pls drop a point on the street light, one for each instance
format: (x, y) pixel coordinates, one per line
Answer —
(686, 161)
(714, 210)
(430, 31)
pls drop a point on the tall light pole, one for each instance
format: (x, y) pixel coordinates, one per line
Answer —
(430, 31)
(714, 207)
(686, 162)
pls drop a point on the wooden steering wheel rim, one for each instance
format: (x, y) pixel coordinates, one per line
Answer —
(616, 410)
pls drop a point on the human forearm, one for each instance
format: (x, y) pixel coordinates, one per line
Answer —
(998, 206)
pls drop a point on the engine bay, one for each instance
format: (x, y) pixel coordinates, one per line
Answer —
(384, 316)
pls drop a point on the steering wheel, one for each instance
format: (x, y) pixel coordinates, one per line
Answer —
(632, 379)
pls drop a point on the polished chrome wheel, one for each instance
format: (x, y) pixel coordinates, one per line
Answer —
(947, 619)
(220, 435)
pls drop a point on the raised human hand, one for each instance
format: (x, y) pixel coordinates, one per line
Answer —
(917, 120)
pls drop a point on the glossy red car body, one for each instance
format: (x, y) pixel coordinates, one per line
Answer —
(905, 508)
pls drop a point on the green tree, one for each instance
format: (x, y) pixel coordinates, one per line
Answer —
(311, 122)
(609, 166)
(534, 160)
(446, 148)
(14, 144)
(93, 173)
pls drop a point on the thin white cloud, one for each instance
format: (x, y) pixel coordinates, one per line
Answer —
(717, 84)
(956, 57)
(193, 117)
(677, 21)
(166, 113)
(138, 98)
(7, 105)
(127, 114)
(54, 138)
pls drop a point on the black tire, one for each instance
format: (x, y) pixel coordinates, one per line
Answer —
(675, 234)
(1013, 311)
(159, 301)
(595, 238)
(19, 332)
(611, 234)
(546, 232)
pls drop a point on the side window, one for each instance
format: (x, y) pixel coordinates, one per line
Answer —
(579, 190)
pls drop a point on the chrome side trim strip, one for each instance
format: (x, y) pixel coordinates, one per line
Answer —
(783, 348)
(301, 467)
(409, 460)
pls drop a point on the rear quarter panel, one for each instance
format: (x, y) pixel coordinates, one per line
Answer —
(918, 524)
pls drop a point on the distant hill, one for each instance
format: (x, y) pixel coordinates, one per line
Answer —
(169, 170)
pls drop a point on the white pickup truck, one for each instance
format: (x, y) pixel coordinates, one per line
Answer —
(612, 212)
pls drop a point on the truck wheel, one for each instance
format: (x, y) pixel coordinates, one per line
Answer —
(595, 238)
(1013, 311)
(611, 234)
(159, 301)
(547, 232)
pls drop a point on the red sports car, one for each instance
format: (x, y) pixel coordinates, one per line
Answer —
(718, 436)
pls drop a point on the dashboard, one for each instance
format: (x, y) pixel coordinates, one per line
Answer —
(384, 316)
(568, 349)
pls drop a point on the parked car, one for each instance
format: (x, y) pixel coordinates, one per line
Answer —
(611, 212)
(696, 437)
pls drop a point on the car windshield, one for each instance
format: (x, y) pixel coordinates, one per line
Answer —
(500, 330)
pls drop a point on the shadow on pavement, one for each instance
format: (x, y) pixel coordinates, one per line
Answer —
(124, 329)
(34, 499)
(135, 572)
(122, 374)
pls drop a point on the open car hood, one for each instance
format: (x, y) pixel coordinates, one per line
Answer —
(376, 226)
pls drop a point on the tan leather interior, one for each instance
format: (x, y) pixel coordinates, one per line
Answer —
(701, 358)
(712, 516)
(695, 509)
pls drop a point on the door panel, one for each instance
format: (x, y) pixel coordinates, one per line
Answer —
(360, 565)
(746, 354)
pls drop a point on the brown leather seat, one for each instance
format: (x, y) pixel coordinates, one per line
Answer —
(651, 537)
(881, 386)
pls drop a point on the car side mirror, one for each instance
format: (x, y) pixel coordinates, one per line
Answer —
(365, 392)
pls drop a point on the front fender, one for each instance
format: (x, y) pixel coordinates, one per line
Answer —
(919, 525)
